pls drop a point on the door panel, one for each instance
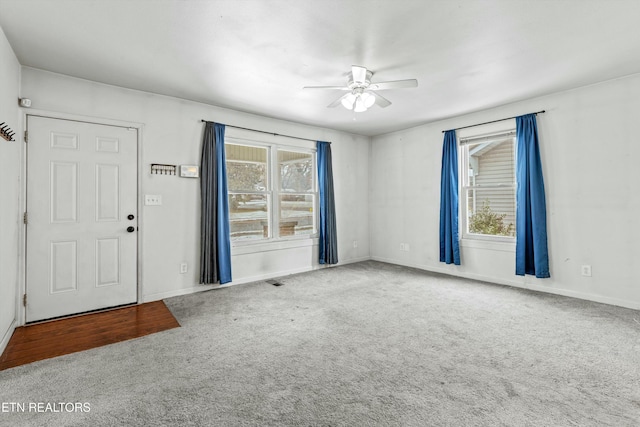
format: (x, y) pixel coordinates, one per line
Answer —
(64, 192)
(107, 193)
(81, 186)
(63, 266)
(108, 262)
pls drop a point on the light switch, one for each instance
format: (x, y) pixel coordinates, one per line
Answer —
(152, 199)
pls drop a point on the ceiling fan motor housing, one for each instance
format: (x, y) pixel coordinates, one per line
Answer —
(356, 84)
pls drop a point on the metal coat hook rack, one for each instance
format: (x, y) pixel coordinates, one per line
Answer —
(160, 169)
(6, 132)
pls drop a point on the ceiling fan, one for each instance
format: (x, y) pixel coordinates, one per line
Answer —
(362, 92)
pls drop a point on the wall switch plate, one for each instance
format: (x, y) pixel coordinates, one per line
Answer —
(152, 200)
(355, 243)
(586, 270)
(183, 268)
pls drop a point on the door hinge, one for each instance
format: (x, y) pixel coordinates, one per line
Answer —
(25, 218)
(24, 300)
(26, 136)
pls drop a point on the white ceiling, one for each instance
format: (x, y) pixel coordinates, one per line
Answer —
(256, 55)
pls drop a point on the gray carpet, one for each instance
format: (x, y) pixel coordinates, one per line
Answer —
(367, 344)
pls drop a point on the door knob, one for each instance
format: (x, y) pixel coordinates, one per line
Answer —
(130, 217)
(131, 229)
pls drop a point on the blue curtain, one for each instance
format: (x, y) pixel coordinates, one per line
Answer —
(215, 242)
(449, 245)
(328, 239)
(532, 256)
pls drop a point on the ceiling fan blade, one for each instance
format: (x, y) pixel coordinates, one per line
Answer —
(359, 74)
(381, 100)
(337, 101)
(327, 87)
(397, 84)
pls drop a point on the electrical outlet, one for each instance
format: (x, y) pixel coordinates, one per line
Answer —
(152, 199)
(355, 243)
(183, 268)
(586, 270)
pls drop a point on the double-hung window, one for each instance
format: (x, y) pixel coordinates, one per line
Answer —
(272, 191)
(487, 202)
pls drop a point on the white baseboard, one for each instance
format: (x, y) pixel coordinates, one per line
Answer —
(175, 293)
(555, 291)
(201, 288)
(256, 278)
(7, 336)
(353, 260)
(271, 275)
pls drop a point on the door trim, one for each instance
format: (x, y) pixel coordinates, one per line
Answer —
(21, 312)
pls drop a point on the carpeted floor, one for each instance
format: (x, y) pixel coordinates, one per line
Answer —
(367, 344)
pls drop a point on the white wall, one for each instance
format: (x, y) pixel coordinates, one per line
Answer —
(387, 189)
(172, 134)
(590, 150)
(9, 188)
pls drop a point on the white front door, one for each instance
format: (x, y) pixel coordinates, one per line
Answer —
(82, 187)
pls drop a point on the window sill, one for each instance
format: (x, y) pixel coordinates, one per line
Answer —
(493, 245)
(242, 248)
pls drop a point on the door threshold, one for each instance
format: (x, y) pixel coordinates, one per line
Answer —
(84, 313)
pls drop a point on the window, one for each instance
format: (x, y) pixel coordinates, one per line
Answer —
(297, 197)
(272, 191)
(488, 202)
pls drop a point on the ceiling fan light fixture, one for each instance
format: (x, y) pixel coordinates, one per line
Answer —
(348, 101)
(360, 106)
(369, 99)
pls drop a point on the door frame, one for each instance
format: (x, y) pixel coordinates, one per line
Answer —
(21, 312)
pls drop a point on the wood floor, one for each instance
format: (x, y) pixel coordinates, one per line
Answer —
(50, 339)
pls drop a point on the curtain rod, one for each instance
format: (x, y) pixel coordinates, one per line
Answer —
(493, 121)
(262, 131)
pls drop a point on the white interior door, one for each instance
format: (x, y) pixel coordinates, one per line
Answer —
(82, 217)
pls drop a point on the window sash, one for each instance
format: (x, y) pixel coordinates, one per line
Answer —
(297, 223)
(254, 224)
(311, 155)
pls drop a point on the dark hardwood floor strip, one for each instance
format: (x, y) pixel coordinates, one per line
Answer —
(59, 337)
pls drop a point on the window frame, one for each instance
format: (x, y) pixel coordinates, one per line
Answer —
(273, 190)
(465, 188)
